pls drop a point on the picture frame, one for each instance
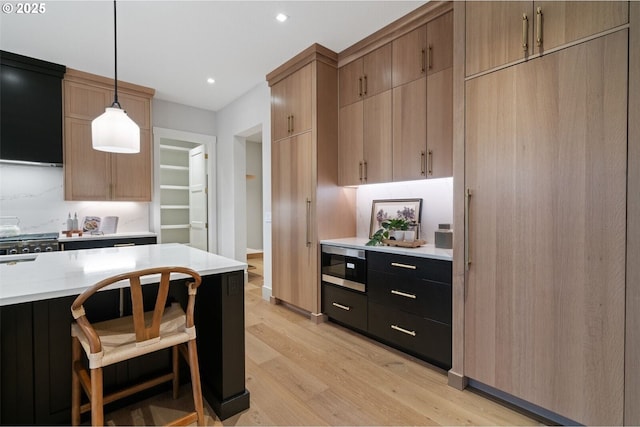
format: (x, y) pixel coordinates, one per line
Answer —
(410, 209)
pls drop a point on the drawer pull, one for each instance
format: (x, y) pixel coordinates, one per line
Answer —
(404, 331)
(343, 307)
(403, 294)
(122, 245)
(397, 264)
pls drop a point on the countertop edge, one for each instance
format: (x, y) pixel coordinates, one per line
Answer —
(425, 251)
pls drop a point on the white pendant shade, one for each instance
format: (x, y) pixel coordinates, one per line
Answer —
(115, 132)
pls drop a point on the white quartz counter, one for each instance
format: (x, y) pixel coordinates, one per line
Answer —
(425, 251)
(88, 236)
(35, 277)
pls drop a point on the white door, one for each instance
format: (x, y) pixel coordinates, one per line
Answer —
(198, 198)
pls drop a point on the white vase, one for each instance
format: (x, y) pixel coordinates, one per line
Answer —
(409, 235)
(397, 235)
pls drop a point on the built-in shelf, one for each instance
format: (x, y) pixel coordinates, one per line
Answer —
(174, 227)
(174, 206)
(175, 168)
(174, 187)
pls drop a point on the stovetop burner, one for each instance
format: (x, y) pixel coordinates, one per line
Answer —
(30, 237)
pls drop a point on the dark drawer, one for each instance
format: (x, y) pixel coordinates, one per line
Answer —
(409, 266)
(423, 298)
(107, 243)
(345, 306)
(424, 338)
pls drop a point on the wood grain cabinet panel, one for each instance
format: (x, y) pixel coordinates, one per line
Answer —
(547, 171)
(410, 130)
(96, 175)
(410, 56)
(499, 33)
(291, 106)
(366, 76)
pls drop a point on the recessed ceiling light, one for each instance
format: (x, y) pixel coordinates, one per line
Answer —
(210, 81)
(282, 17)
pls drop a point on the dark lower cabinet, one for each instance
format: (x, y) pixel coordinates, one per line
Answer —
(35, 352)
(407, 305)
(107, 243)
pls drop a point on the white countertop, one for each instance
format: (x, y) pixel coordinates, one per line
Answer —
(64, 273)
(425, 251)
(88, 236)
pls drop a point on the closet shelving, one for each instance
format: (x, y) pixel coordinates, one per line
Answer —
(174, 193)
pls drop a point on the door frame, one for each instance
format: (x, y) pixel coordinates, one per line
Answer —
(209, 141)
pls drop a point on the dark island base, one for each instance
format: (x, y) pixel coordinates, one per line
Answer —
(35, 353)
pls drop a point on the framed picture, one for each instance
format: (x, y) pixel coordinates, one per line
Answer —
(409, 209)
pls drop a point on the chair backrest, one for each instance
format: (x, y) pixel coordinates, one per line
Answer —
(143, 331)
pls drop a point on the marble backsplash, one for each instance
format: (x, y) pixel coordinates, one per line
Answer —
(437, 203)
(35, 194)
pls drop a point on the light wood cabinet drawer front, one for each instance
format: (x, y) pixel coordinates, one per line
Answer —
(410, 267)
(416, 296)
(345, 306)
(425, 338)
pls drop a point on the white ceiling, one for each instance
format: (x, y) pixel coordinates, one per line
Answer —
(174, 46)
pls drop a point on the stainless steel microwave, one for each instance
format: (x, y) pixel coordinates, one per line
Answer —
(344, 267)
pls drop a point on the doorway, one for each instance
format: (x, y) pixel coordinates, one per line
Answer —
(254, 204)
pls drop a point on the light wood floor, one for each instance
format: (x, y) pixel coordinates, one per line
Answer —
(300, 373)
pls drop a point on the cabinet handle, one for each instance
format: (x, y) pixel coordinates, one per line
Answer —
(423, 61)
(430, 162)
(360, 87)
(343, 307)
(366, 85)
(403, 294)
(467, 199)
(122, 245)
(429, 58)
(539, 26)
(407, 266)
(288, 124)
(422, 163)
(365, 170)
(404, 331)
(525, 31)
(360, 170)
(308, 232)
(292, 123)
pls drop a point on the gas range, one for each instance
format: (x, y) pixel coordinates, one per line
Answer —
(29, 243)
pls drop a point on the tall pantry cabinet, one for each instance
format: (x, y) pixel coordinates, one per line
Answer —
(545, 170)
(307, 204)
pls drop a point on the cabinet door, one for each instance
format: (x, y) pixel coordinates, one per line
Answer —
(87, 172)
(440, 124)
(350, 82)
(138, 108)
(83, 101)
(561, 22)
(409, 130)
(300, 99)
(547, 169)
(409, 56)
(295, 257)
(279, 111)
(377, 144)
(350, 144)
(496, 33)
(131, 173)
(440, 43)
(377, 71)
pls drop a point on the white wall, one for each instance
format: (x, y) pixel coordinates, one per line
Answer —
(174, 116)
(245, 116)
(254, 195)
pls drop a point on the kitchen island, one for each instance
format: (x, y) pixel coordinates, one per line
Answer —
(36, 292)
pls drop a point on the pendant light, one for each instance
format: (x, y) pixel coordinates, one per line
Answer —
(114, 131)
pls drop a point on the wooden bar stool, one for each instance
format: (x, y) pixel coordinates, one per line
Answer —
(127, 337)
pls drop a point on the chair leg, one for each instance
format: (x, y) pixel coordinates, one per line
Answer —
(195, 381)
(97, 410)
(75, 382)
(176, 370)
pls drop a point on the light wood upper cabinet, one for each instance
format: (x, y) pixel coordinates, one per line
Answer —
(96, 175)
(499, 33)
(291, 104)
(350, 144)
(423, 51)
(439, 161)
(410, 130)
(366, 76)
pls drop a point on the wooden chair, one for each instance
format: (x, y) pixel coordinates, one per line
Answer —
(127, 337)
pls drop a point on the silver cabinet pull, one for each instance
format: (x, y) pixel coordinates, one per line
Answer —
(403, 294)
(407, 266)
(404, 331)
(308, 231)
(340, 306)
(467, 202)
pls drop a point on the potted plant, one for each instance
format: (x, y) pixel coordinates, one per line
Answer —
(388, 231)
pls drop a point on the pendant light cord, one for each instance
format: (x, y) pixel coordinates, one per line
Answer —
(115, 50)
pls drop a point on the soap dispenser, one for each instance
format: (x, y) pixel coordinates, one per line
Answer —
(75, 221)
(69, 223)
